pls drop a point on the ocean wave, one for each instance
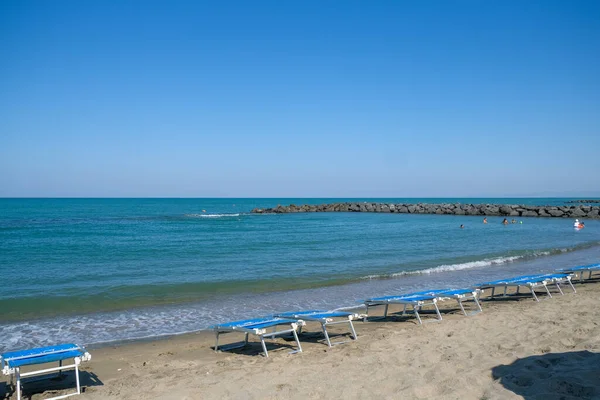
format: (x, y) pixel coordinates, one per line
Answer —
(486, 262)
(212, 215)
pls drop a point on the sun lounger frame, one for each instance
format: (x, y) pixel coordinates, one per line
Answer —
(258, 327)
(417, 303)
(531, 282)
(580, 270)
(11, 363)
(326, 318)
(460, 295)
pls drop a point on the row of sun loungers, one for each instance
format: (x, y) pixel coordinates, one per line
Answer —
(420, 299)
(291, 323)
(416, 301)
(530, 282)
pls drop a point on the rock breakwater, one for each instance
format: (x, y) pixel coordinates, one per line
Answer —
(505, 210)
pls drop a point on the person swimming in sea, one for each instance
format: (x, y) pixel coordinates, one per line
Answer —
(462, 226)
(485, 220)
(505, 222)
(514, 221)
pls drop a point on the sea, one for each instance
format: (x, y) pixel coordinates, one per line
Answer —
(103, 271)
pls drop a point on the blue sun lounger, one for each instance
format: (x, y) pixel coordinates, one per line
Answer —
(325, 318)
(259, 328)
(416, 300)
(12, 362)
(531, 282)
(581, 269)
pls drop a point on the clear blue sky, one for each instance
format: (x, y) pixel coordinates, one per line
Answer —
(299, 98)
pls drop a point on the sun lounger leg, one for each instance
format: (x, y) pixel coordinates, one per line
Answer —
(572, 287)
(559, 289)
(352, 329)
(437, 310)
(461, 307)
(77, 377)
(297, 341)
(548, 291)
(404, 310)
(217, 342)
(386, 311)
(493, 291)
(416, 311)
(264, 346)
(533, 293)
(326, 334)
(505, 287)
(246, 340)
(477, 302)
(518, 289)
(18, 376)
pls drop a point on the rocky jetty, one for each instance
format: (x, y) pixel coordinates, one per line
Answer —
(584, 201)
(503, 210)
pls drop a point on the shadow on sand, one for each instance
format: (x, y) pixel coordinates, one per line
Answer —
(51, 385)
(553, 376)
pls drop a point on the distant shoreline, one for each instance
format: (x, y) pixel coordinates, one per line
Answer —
(504, 210)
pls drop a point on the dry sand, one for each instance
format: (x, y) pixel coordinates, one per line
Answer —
(514, 349)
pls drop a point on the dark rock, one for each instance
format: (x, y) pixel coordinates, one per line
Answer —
(505, 210)
(556, 213)
(542, 213)
(529, 213)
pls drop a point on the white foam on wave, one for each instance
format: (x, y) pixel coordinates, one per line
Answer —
(212, 215)
(461, 266)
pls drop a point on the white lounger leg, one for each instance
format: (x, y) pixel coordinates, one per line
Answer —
(571, 283)
(547, 291)
(77, 376)
(385, 312)
(533, 293)
(264, 346)
(461, 306)
(18, 377)
(297, 341)
(477, 302)
(217, 342)
(352, 329)
(437, 310)
(559, 289)
(326, 334)
(416, 311)
(404, 310)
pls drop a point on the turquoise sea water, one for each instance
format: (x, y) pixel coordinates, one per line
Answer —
(100, 270)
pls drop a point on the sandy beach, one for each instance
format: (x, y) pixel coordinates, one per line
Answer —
(516, 348)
